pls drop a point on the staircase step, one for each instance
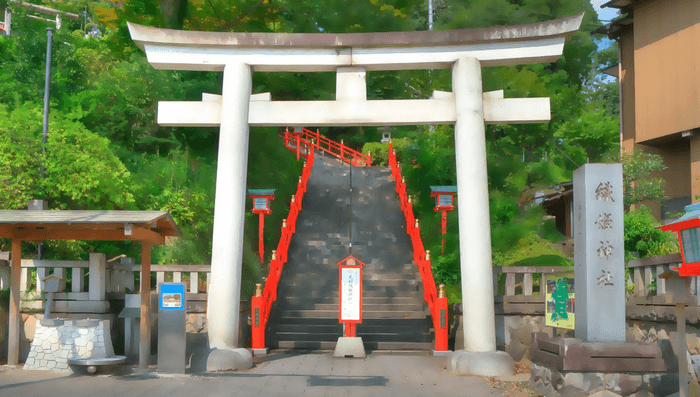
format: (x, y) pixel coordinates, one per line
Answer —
(334, 314)
(289, 301)
(366, 307)
(374, 291)
(370, 346)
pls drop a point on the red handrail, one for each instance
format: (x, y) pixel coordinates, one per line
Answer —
(436, 303)
(302, 140)
(263, 299)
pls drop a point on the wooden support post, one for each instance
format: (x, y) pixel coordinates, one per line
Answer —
(145, 336)
(97, 290)
(682, 351)
(15, 319)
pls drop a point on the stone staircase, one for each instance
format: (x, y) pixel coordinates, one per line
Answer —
(305, 315)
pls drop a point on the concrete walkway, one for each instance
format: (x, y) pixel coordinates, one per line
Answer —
(278, 375)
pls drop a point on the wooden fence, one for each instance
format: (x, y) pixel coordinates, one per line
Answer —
(87, 285)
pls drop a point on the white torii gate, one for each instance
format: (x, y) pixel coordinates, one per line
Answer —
(466, 51)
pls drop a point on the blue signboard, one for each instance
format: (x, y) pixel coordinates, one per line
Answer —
(171, 296)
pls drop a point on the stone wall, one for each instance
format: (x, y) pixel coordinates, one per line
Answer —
(55, 341)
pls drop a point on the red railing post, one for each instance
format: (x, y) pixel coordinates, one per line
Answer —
(442, 323)
(258, 319)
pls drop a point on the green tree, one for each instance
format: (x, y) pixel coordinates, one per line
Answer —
(82, 172)
(639, 178)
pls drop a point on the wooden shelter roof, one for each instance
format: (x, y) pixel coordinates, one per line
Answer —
(149, 226)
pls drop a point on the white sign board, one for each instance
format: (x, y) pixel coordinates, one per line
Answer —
(350, 294)
(260, 203)
(444, 200)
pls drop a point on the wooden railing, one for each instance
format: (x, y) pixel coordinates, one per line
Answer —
(649, 288)
(87, 285)
(436, 304)
(265, 297)
(300, 141)
(519, 289)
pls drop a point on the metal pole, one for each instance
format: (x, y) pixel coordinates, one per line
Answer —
(47, 96)
(47, 85)
(430, 15)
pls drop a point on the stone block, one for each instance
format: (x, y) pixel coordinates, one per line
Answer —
(577, 380)
(29, 323)
(30, 361)
(642, 393)
(51, 365)
(605, 393)
(612, 382)
(629, 383)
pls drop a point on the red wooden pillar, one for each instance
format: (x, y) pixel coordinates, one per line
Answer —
(261, 233)
(443, 221)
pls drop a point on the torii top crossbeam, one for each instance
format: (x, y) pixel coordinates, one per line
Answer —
(210, 51)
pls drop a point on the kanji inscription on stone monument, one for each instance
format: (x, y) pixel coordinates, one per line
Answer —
(604, 192)
(604, 221)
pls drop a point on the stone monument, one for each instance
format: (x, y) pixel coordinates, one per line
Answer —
(598, 358)
(599, 253)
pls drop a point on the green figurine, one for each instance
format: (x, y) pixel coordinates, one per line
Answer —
(560, 295)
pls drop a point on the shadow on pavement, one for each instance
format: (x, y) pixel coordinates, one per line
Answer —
(316, 380)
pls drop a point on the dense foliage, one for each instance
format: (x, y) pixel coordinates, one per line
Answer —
(106, 151)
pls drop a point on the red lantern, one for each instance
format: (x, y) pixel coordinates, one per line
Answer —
(688, 229)
(261, 206)
(444, 201)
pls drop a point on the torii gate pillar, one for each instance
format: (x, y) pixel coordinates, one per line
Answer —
(480, 356)
(223, 302)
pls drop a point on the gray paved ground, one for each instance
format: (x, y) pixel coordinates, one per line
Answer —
(279, 375)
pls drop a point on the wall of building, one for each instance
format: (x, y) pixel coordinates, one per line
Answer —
(676, 157)
(626, 45)
(667, 73)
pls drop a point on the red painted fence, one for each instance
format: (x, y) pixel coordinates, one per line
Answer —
(301, 140)
(263, 299)
(436, 303)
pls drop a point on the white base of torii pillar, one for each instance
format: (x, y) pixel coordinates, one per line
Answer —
(223, 302)
(480, 356)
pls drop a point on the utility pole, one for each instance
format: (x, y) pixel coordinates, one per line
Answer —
(47, 95)
(430, 15)
(47, 86)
